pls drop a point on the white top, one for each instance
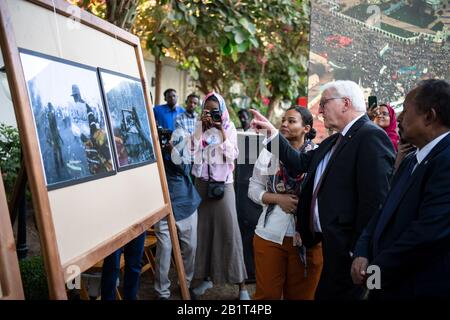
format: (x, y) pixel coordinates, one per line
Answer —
(279, 224)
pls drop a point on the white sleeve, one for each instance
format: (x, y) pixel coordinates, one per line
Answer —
(268, 139)
(258, 182)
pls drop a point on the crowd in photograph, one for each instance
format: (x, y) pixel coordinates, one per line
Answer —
(390, 74)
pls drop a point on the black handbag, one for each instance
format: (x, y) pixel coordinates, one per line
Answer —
(216, 189)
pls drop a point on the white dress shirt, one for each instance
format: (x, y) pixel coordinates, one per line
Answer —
(320, 169)
(423, 153)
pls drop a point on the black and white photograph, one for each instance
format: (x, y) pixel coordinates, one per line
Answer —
(70, 119)
(129, 119)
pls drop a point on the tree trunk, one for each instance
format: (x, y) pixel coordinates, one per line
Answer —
(158, 80)
(273, 103)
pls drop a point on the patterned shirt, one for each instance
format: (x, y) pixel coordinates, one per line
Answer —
(186, 121)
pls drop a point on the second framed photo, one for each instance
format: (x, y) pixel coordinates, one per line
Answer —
(129, 121)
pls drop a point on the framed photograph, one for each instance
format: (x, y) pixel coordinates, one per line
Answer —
(70, 119)
(129, 121)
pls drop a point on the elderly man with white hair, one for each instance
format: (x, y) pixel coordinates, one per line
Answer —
(347, 179)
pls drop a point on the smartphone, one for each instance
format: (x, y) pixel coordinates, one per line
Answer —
(372, 102)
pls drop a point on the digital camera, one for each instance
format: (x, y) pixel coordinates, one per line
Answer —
(216, 115)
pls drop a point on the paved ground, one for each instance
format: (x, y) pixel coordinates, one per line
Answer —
(222, 292)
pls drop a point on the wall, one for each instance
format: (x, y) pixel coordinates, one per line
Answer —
(172, 77)
(6, 108)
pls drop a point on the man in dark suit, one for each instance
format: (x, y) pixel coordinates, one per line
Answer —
(409, 239)
(347, 178)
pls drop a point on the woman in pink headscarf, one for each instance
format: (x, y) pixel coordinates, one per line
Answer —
(219, 258)
(384, 116)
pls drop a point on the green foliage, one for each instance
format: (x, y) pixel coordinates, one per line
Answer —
(10, 153)
(261, 44)
(34, 278)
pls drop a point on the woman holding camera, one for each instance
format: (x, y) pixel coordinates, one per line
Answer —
(219, 257)
(284, 268)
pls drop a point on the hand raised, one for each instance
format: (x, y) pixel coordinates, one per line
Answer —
(261, 124)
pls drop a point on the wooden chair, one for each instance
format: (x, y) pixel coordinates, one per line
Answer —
(149, 255)
(97, 268)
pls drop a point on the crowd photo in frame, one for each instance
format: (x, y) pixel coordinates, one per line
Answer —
(129, 120)
(70, 119)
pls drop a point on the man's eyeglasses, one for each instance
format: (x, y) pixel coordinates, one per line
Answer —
(324, 102)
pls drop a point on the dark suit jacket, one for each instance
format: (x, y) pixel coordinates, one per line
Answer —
(354, 186)
(414, 246)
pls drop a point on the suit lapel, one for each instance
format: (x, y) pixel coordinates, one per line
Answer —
(418, 172)
(346, 139)
(323, 149)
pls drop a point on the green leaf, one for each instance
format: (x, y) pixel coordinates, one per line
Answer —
(291, 71)
(192, 21)
(242, 47)
(196, 62)
(179, 16)
(181, 6)
(305, 7)
(254, 42)
(304, 62)
(194, 74)
(172, 16)
(222, 41)
(250, 27)
(165, 42)
(228, 28)
(227, 49)
(239, 36)
(234, 54)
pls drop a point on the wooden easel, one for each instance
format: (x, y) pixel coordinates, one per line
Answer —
(56, 271)
(10, 281)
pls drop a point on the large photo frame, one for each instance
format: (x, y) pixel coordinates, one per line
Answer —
(128, 117)
(82, 224)
(70, 119)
